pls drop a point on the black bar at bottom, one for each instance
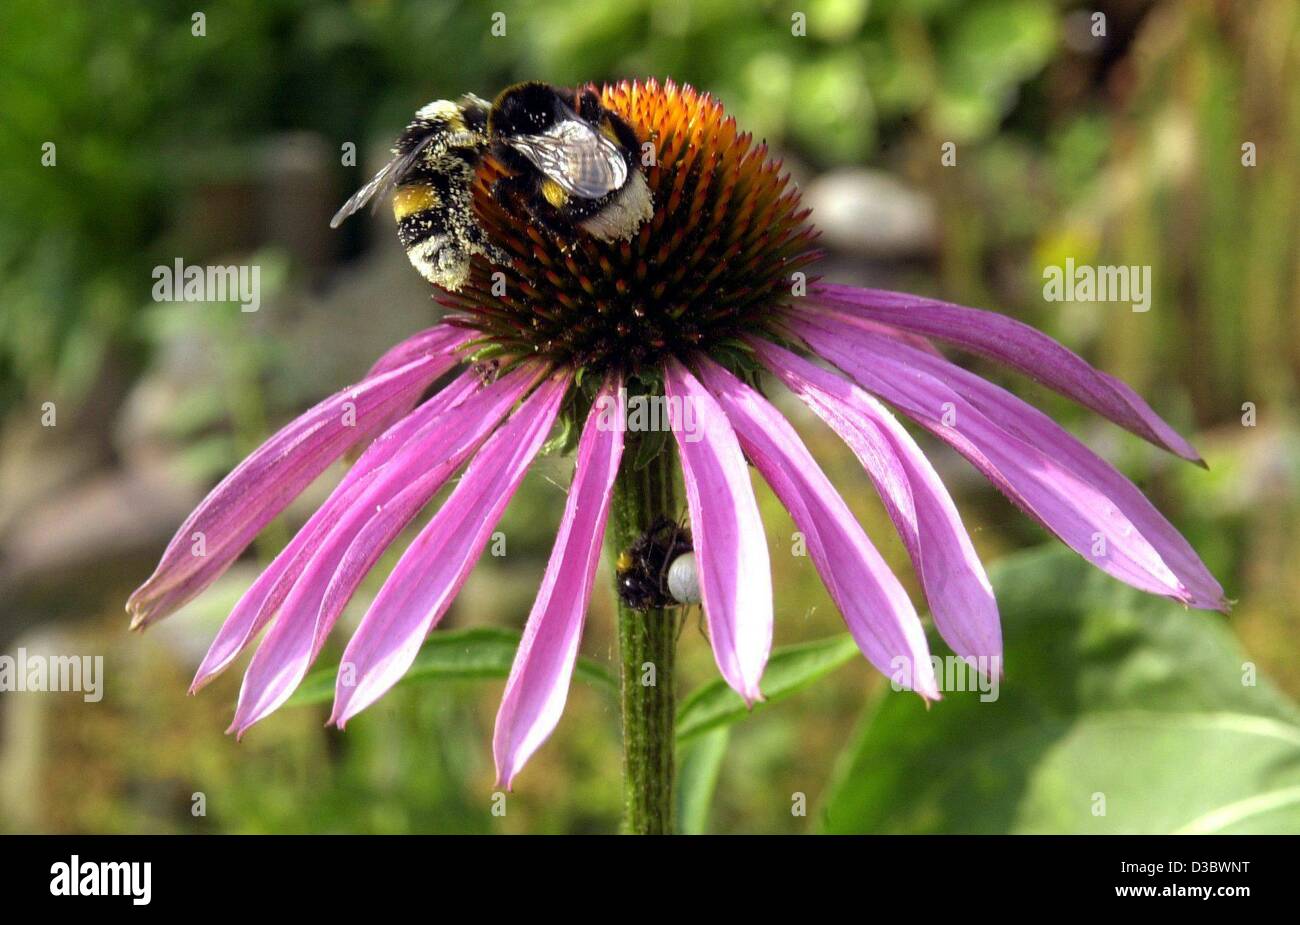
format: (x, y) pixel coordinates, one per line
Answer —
(586, 874)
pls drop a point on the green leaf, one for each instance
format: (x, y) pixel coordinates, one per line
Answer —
(789, 670)
(564, 437)
(452, 655)
(1120, 712)
(991, 48)
(651, 445)
(698, 765)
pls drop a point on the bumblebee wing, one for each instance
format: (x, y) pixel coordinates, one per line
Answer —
(582, 161)
(383, 182)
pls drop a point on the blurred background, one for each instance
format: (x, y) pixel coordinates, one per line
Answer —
(229, 147)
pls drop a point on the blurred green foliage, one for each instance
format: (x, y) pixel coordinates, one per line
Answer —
(1120, 713)
(856, 70)
(142, 112)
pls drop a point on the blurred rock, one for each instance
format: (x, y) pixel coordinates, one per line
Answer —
(871, 214)
(86, 542)
(370, 305)
(36, 461)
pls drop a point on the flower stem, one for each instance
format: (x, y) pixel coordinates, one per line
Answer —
(647, 648)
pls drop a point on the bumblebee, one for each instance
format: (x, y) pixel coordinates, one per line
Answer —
(571, 165)
(433, 165)
(645, 569)
(574, 163)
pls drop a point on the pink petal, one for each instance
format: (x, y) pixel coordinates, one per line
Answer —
(441, 338)
(342, 556)
(874, 605)
(539, 679)
(1080, 514)
(436, 564)
(1031, 425)
(730, 543)
(262, 485)
(955, 583)
(1017, 345)
(263, 598)
(396, 437)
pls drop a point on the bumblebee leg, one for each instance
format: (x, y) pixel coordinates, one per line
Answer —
(546, 216)
(521, 197)
(510, 192)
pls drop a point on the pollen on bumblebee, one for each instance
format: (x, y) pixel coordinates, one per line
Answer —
(711, 256)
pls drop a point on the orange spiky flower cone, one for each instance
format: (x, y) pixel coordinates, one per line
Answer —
(714, 262)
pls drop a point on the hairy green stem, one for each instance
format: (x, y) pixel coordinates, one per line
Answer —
(647, 648)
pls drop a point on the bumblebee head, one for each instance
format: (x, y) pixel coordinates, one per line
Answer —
(528, 108)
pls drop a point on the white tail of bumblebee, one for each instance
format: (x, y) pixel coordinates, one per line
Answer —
(684, 579)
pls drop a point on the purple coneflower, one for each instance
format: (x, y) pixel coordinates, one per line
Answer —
(694, 307)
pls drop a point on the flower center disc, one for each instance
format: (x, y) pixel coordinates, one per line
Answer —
(715, 260)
